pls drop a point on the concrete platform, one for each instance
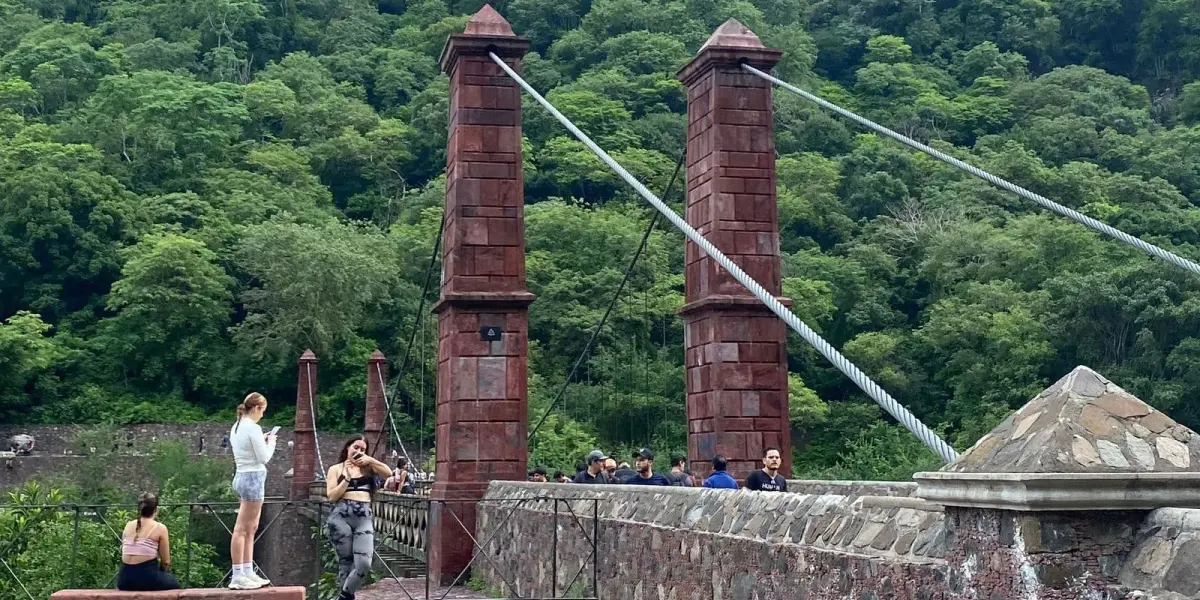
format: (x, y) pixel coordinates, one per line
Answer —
(266, 593)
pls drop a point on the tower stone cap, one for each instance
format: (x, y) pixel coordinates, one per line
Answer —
(731, 44)
(732, 34)
(486, 31)
(1082, 428)
(1083, 423)
(308, 356)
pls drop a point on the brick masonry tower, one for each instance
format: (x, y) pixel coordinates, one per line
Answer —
(483, 310)
(736, 357)
(304, 455)
(376, 407)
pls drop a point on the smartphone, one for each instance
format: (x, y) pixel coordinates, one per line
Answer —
(274, 430)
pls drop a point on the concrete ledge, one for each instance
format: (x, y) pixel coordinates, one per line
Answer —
(1060, 491)
(267, 593)
(887, 502)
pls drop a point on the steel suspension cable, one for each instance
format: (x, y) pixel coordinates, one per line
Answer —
(387, 404)
(894, 408)
(1040, 200)
(616, 297)
(312, 412)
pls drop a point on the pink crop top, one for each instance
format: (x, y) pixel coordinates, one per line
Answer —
(140, 547)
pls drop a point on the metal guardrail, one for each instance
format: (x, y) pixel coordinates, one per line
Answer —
(108, 520)
(401, 525)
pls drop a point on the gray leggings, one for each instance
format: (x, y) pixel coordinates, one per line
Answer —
(352, 533)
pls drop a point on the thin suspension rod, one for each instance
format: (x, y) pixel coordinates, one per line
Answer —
(894, 408)
(1040, 200)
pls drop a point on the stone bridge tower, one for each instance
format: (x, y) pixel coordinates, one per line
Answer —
(483, 310)
(735, 347)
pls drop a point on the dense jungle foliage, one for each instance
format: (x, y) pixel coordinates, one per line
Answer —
(193, 192)
(61, 532)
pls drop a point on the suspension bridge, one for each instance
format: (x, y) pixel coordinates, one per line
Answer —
(990, 524)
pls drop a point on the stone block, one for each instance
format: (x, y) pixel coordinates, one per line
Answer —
(492, 378)
(504, 232)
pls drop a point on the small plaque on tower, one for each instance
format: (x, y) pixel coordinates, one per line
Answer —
(489, 333)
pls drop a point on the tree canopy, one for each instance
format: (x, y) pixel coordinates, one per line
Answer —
(193, 193)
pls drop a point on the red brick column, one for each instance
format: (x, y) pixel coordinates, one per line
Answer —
(304, 452)
(736, 356)
(376, 407)
(481, 391)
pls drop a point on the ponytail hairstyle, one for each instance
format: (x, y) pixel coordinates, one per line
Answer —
(147, 506)
(252, 401)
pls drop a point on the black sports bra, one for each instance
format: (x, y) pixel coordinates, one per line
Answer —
(365, 483)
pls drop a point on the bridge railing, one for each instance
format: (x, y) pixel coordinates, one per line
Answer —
(400, 520)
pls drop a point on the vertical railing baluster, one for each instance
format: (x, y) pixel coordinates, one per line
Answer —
(554, 555)
(187, 576)
(75, 547)
(596, 547)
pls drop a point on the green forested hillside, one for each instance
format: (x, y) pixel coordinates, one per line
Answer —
(192, 192)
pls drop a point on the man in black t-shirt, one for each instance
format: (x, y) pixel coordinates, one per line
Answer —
(768, 478)
(645, 470)
(594, 473)
(679, 475)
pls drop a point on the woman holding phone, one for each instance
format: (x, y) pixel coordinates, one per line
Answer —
(252, 450)
(350, 483)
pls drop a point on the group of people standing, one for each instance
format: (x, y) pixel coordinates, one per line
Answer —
(600, 469)
(349, 484)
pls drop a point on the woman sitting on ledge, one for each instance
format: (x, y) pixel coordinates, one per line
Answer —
(144, 544)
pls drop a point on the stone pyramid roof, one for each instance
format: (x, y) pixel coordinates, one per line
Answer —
(732, 34)
(1083, 423)
(488, 22)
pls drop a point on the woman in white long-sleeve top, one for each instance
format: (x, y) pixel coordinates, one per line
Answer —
(252, 450)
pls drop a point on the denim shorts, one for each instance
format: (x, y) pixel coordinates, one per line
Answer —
(250, 486)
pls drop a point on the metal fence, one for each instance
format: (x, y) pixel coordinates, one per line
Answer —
(94, 525)
(87, 542)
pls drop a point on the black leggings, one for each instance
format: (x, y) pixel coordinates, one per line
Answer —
(352, 533)
(145, 577)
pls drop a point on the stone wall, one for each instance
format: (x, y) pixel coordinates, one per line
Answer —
(853, 489)
(698, 543)
(686, 543)
(1038, 555)
(1166, 551)
(128, 467)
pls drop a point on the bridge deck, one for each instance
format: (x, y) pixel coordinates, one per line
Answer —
(391, 589)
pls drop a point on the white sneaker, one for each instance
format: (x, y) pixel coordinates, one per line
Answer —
(244, 583)
(261, 581)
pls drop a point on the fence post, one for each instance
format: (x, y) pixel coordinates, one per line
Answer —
(596, 547)
(187, 576)
(554, 555)
(75, 547)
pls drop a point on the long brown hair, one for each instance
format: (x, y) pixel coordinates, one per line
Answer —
(147, 505)
(345, 453)
(252, 401)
